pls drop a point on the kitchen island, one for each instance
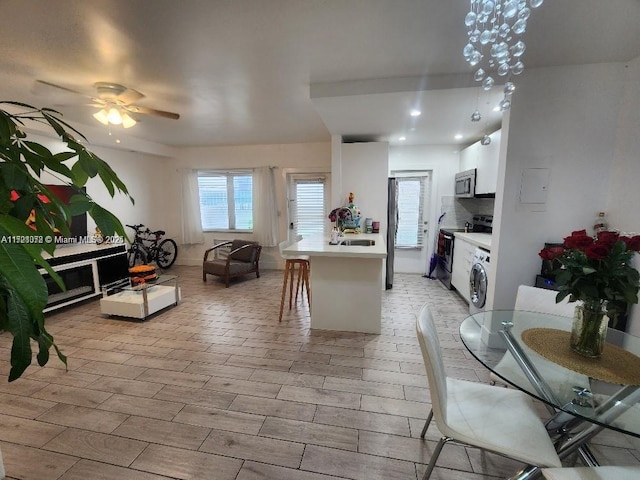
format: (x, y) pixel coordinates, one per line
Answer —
(346, 281)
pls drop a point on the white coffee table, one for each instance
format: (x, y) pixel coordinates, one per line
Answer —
(142, 300)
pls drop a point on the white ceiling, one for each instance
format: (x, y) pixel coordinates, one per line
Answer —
(285, 71)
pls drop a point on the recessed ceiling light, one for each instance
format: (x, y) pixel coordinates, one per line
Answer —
(402, 139)
(458, 136)
(496, 108)
(415, 113)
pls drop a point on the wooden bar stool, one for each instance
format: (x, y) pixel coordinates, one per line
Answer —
(303, 265)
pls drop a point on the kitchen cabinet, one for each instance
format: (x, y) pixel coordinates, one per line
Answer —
(469, 157)
(484, 158)
(463, 253)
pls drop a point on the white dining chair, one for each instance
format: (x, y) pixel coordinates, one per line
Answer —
(500, 420)
(595, 473)
(540, 300)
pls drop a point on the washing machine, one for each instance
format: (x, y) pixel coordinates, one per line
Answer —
(479, 280)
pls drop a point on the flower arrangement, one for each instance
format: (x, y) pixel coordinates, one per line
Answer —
(598, 270)
(347, 216)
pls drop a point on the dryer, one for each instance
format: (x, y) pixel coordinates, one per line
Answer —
(479, 280)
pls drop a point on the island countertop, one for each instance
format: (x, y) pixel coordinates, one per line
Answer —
(318, 246)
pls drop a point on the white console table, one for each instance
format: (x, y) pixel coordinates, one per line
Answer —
(84, 269)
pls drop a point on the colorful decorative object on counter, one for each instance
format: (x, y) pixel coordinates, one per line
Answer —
(598, 273)
(347, 218)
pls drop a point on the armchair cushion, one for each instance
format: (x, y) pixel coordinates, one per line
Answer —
(243, 258)
(245, 254)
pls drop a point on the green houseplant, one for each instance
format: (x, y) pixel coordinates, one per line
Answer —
(23, 292)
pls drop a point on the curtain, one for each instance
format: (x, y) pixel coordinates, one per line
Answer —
(265, 207)
(190, 218)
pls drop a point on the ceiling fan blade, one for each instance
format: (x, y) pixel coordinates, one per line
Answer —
(116, 93)
(59, 87)
(152, 111)
(129, 96)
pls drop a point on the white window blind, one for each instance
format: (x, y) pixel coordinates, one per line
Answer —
(226, 200)
(308, 210)
(410, 212)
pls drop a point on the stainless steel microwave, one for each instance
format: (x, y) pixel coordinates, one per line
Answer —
(466, 184)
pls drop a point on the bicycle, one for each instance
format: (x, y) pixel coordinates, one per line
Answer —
(148, 247)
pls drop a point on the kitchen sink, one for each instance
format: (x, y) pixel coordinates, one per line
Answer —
(358, 243)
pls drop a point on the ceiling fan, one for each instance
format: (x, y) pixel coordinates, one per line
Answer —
(115, 102)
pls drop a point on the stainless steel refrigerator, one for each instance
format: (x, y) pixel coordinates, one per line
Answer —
(392, 227)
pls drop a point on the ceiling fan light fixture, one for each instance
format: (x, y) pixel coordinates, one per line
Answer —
(114, 116)
(127, 121)
(102, 117)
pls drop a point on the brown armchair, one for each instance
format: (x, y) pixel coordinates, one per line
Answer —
(242, 259)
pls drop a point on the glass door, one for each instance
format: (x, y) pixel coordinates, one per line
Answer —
(307, 205)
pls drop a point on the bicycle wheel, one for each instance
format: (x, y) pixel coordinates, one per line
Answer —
(136, 257)
(167, 253)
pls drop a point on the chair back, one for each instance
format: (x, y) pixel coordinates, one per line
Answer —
(282, 245)
(541, 300)
(432, 356)
(285, 243)
(248, 255)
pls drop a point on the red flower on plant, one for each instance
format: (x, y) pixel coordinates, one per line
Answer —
(597, 251)
(608, 238)
(632, 243)
(551, 253)
(578, 240)
(596, 271)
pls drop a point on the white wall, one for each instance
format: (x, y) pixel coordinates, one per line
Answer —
(563, 119)
(141, 173)
(442, 161)
(308, 157)
(364, 171)
(622, 203)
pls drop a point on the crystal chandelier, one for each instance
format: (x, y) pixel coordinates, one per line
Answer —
(495, 44)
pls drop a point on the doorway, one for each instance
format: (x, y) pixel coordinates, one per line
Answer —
(413, 232)
(307, 200)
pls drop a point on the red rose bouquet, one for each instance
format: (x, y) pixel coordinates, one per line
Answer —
(597, 271)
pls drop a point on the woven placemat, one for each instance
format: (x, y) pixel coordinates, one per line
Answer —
(616, 365)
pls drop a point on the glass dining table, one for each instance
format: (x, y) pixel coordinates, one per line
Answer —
(583, 396)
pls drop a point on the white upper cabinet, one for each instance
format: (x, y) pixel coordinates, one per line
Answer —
(484, 158)
(469, 157)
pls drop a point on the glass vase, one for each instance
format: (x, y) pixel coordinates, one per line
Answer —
(589, 329)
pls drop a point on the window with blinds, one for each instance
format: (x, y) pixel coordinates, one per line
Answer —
(410, 212)
(308, 206)
(226, 200)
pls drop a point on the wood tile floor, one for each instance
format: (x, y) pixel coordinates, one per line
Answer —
(216, 388)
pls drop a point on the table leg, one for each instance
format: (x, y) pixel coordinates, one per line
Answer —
(527, 473)
(527, 367)
(545, 392)
(569, 441)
